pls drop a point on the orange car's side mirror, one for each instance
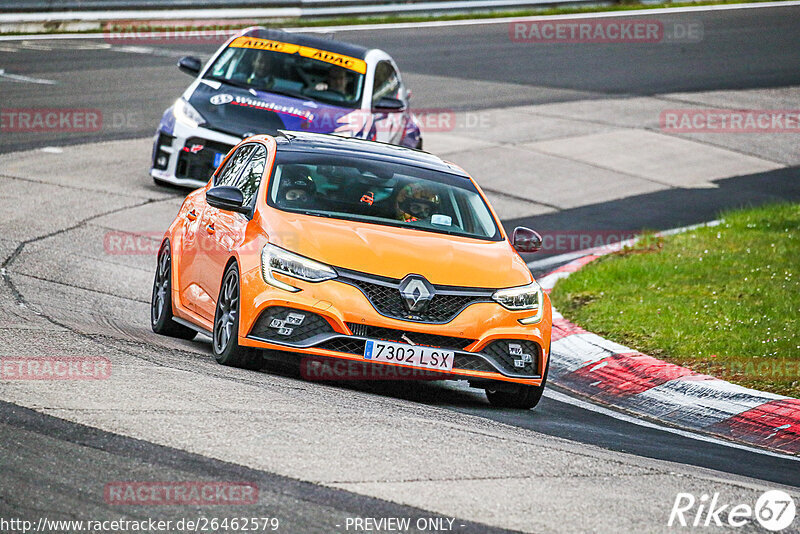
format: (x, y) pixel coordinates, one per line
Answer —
(228, 198)
(526, 240)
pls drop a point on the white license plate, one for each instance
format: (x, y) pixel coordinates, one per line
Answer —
(414, 355)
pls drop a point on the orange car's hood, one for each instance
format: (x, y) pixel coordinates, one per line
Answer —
(396, 252)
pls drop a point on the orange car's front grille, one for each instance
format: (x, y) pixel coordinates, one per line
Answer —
(384, 295)
(417, 338)
(301, 328)
(460, 360)
(470, 362)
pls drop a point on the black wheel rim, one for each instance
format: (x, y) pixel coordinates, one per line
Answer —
(227, 309)
(160, 286)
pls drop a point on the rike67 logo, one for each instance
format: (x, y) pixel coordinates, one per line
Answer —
(774, 510)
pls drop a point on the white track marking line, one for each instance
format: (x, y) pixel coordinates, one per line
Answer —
(567, 399)
(505, 20)
(439, 23)
(24, 79)
(37, 46)
(150, 51)
(64, 45)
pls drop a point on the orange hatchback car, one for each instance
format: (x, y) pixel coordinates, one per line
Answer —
(328, 247)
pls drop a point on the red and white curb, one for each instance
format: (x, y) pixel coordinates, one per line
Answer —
(612, 374)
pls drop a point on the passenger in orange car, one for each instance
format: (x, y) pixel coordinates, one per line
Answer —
(416, 202)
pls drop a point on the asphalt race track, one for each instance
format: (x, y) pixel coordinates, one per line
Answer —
(323, 453)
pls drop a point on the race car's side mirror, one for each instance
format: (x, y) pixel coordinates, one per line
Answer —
(389, 105)
(190, 65)
(526, 240)
(226, 197)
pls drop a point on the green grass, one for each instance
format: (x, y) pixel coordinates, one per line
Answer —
(721, 300)
(623, 5)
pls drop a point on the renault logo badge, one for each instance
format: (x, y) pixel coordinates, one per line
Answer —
(416, 292)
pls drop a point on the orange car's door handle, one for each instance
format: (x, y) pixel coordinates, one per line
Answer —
(192, 215)
(210, 228)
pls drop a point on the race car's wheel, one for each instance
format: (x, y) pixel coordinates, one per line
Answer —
(225, 342)
(517, 395)
(161, 302)
(419, 144)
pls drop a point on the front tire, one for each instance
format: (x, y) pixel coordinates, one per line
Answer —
(518, 396)
(225, 342)
(161, 318)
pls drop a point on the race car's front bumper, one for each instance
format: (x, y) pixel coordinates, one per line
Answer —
(188, 157)
(338, 317)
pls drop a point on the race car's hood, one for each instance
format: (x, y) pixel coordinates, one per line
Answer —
(395, 252)
(238, 111)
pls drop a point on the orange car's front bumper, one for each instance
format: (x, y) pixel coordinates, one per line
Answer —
(482, 330)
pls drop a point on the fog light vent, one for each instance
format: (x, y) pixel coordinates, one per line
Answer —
(288, 324)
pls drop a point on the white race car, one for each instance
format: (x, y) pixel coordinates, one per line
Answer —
(262, 81)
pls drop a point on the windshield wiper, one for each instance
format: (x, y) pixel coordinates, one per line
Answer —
(286, 93)
(229, 82)
(252, 87)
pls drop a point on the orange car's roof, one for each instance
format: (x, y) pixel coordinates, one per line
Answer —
(346, 146)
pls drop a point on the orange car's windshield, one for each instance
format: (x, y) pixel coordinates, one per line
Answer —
(379, 192)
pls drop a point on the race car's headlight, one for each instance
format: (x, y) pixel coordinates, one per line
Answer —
(277, 260)
(527, 297)
(186, 114)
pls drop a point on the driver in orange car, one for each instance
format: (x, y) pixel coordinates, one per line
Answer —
(416, 202)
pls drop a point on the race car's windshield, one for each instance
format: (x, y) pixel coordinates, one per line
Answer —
(382, 193)
(288, 74)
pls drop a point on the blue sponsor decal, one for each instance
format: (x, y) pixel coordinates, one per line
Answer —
(368, 350)
(218, 159)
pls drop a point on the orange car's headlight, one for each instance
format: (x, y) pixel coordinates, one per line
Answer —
(278, 260)
(522, 298)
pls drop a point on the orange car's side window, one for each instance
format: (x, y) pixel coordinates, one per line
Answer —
(234, 165)
(250, 178)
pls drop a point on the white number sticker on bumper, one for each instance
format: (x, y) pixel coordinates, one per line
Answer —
(416, 355)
